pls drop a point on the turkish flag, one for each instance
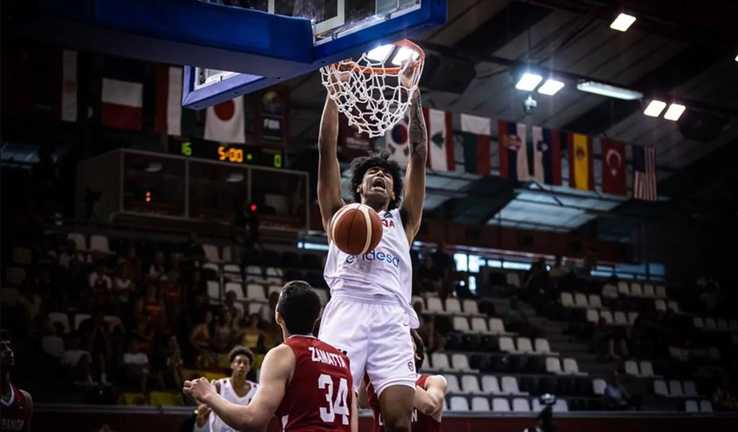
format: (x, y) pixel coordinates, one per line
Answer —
(225, 122)
(613, 167)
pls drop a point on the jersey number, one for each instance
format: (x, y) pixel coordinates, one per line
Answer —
(337, 405)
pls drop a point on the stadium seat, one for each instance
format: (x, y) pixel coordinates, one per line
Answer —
(705, 406)
(211, 266)
(278, 288)
(673, 305)
(593, 316)
(470, 384)
(598, 386)
(234, 269)
(553, 365)
(521, 405)
(460, 362)
(690, 389)
(459, 403)
(510, 386)
(659, 388)
(236, 288)
(496, 326)
(255, 308)
(426, 366)
(631, 368)
(595, 301)
(322, 294)
(255, 292)
(535, 405)
(79, 241)
(567, 300)
(490, 385)
(99, 243)
(580, 300)
(227, 254)
(710, 324)
(453, 306)
(636, 290)
(525, 345)
(619, 318)
(733, 325)
(561, 406)
(471, 307)
(691, 406)
(479, 325)
(417, 299)
(214, 291)
(112, 322)
(722, 324)
(648, 291)
(542, 346)
(646, 369)
(623, 288)
(440, 362)
(632, 316)
(461, 324)
(660, 291)
(513, 279)
(254, 270)
(607, 316)
(675, 388)
(610, 291)
(571, 367)
(480, 404)
(211, 253)
(506, 344)
(80, 318)
(61, 318)
(500, 405)
(434, 305)
(274, 272)
(659, 305)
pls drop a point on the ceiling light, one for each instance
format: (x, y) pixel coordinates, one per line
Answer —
(623, 22)
(654, 108)
(380, 53)
(551, 87)
(608, 90)
(528, 81)
(403, 54)
(674, 112)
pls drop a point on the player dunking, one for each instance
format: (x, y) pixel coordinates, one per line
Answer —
(369, 316)
(304, 381)
(430, 391)
(237, 388)
(16, 405)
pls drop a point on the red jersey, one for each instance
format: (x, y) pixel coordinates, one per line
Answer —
(320, 394)
(420, 421)
(14, 413)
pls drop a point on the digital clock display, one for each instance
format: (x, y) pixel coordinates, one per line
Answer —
(239, 154)
(230, 154)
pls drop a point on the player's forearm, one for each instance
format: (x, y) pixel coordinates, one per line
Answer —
(328, 135)
(238, 417)
(418, 132)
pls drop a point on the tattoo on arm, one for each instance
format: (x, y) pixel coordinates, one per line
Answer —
(418, 132)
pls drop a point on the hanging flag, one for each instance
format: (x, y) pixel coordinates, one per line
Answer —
(168, 116)
(122, 104)
(224, 122)
(475, 137)
(644, 172)
(581, 175)
(613, 167)
(397, 142)
(546, 155)
(440, 140)
(69, 86)
(513, 150)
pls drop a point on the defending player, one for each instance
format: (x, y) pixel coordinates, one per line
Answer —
(16, 405)
(304, 381)
(369, 316)
(237, 388)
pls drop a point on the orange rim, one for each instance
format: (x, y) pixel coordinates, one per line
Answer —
(350, 64)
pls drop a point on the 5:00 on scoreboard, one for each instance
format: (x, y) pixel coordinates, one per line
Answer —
(232, 153)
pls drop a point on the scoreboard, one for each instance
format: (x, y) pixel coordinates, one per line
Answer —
(233, 153)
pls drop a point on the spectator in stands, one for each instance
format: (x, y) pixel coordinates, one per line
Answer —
(723, 399)
(234, 308)
(200, 341)
(444, 266)
(136, 366)
(101, 286)
(156, 269)
(52, 344)
(123, 287)
(428, 277)
(250, 335)
(558, 270)
(267, 311)
(535, 282)
(616, 396)
(77, 361)
(173, 373)
(429, 331)
(97, 336)
(222, 332)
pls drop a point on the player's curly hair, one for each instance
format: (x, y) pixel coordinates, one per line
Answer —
(361, 165)
(241, 350)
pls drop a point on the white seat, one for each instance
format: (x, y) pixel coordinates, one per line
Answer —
(113, 321)
(659, 388)
(500, 405)
(490, 385)
(571, 367)
(580, 300)
(470, 384)
(460, 362)
(417, 299)
(211, 253)
(646, 369)
(675, 388)
(691, 406)
(227, 254)
(232, 268)
(277, 289)
(513, 279)
(255, 292)
(510, 386)
(690, 389)
(434, 305)
(453, 306)
(61, 318)
(623, 288)
(660, 291)
(567, 300)
(521, 405)
(659, 305)
(255, 308)
(459, 403)
(211, 266)
(595, 301)
(426, 366)
(479, 325)
(214, 290)
(322, 294)
(610, 291)
(705, 406)
(99, 243)
(631, 368)
(480, 404)
(79, 241)
(236, 288)
(607, 316)
(593, 316)
(620, 319)
(553, 365)
(536, 405)
(452, 384)
(648, 291)
(632, 316)
(636, 290)
(496, 326)
(440, 362)
(598, 386)
(542, 346)
(506, 344)
(461, 324)
(471, 307)
(525, 345)
(254, 270)
(673, 305)
(561, 406)
(274, 272)
(79, 318)
(710, 324)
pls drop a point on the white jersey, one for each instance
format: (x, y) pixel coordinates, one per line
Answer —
(227, 392)
(384, 272)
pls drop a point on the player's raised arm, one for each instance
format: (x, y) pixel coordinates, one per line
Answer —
(329, 171)
(412, 201)
(276, 373)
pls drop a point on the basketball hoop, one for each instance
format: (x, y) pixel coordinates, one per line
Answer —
(375, 90)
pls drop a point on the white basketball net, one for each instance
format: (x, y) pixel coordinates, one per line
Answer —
(372, 96)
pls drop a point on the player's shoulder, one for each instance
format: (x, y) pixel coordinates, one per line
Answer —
(26, 396)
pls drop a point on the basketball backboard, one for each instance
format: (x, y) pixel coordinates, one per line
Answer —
(338, 29)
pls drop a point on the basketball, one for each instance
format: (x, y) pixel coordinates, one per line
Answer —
(356, 229)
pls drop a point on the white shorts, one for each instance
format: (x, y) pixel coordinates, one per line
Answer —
(376, 337)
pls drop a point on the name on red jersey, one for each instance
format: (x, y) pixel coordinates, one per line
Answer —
(320, 356)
